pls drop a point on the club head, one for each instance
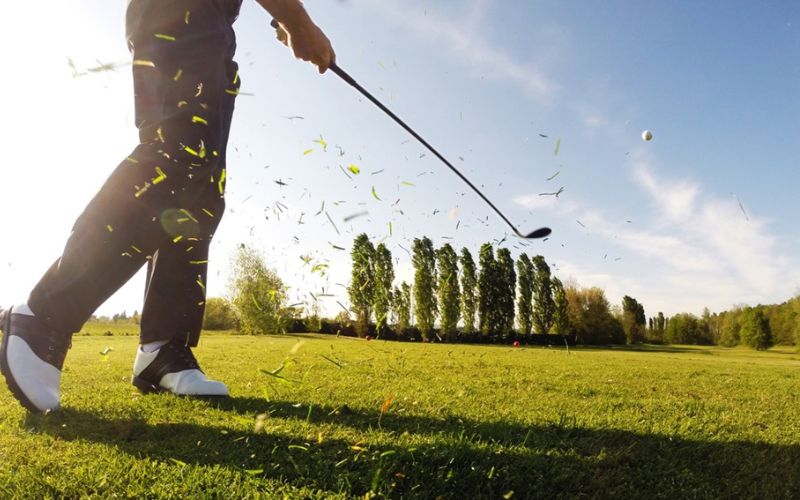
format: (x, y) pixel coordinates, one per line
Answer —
(539, 233)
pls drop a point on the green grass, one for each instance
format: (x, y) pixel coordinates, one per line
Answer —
(464, 422)
(125, 328)
(110, 328)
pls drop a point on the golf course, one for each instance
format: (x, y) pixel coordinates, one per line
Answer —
(315, 416)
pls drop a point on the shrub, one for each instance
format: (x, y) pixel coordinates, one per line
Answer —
(258, 294)
(219, 315)
(755, 330)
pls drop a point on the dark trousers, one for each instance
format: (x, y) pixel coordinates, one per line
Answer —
(162, 204)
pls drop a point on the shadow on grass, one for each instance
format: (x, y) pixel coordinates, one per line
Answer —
(465, 458)
(706, 350)
(645, 348)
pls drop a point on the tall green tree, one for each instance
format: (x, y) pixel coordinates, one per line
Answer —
(449, 292)
(487, 291)
(755, 330)
(633, 319)
(561, 307)
(714, 328)
(525, 297)
(220, 314)
(401, 300)
(661, 323)
(683, 328)
(469, 285)
(731, 327)
(590, 317)
(508, 290)
(258, 294)
(794, 304)
(382, 295)
(782, 322)
(425, 307)
(543, 306)
(706, 323)
(362, 282)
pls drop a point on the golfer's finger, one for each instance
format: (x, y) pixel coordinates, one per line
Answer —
(327, 62)
(282, 36)
(332, 59)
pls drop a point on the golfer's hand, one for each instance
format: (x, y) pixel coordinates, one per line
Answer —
(308, 43)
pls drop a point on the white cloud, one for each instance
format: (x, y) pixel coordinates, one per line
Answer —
(538, 202)
(595, 120)
(733, 258)
(569, 271)
(461, 37)
(675, 198)
(697, 250)
(671, 250)
(614, 285)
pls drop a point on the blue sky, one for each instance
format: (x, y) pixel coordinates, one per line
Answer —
(661, 221)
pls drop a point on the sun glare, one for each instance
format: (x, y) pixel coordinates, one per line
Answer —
(67, 128)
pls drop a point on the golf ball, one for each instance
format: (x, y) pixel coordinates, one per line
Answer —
(647, 135)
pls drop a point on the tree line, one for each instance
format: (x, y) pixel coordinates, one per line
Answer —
(454, 298)
(759, 327)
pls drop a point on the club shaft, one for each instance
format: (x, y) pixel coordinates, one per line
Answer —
(350, 80)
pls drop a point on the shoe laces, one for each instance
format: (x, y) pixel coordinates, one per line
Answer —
(57, 349)
(48, 344)
(184, 352)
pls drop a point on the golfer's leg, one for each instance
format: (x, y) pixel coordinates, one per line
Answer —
(173, 311)
(178, 102)
(176, 277)
(175, 293)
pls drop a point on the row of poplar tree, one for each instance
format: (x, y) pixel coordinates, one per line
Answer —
(450, 288)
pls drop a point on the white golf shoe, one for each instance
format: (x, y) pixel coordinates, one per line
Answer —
(31, 359)
(173, 368)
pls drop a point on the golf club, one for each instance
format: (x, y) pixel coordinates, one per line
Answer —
(539, 233)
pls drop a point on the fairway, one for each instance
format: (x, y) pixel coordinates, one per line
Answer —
(345, 417)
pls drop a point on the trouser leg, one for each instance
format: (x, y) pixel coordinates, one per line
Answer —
(182, 51)
(175, 292)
